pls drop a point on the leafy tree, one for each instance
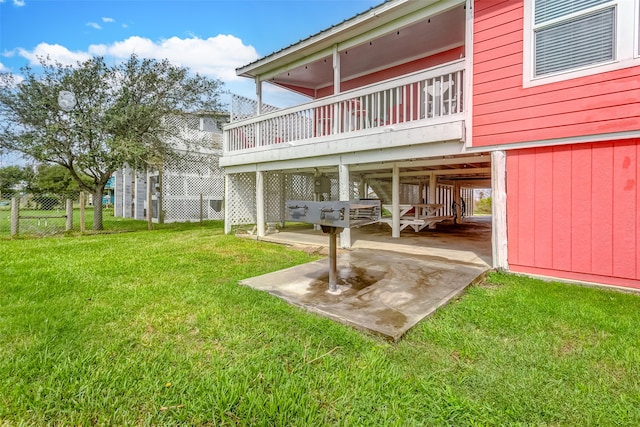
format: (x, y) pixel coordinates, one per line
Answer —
(483, 206)
(13, 177)
(119, 116)
(54, 179)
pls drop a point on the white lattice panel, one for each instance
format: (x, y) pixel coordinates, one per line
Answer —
(299, 187)
(243, 107)
(192, 183)
(193, 186)
(194, 133)
(241, 200)
(274, 197)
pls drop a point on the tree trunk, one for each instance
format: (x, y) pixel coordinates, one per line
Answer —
(97, 209)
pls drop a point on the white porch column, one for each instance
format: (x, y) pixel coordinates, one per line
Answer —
(117, 193)
(362, 189)
(259, 94)
(499, 209)
(345, 195)
(456, 199)
(127, 193)
(433, 190)
(336, 70)
(395, 201)
(227, 221)
(260, 203)
(258, 111)
(336, 89)
(433, 186)
(282, 198)
(140, 191)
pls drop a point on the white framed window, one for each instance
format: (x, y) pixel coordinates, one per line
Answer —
(564, 39)
(638, 29)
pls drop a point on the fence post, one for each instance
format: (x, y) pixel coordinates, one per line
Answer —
(69, 215)
(15, 215)
(160, 198)
(201, 210)
(149, 203)
(82, 220)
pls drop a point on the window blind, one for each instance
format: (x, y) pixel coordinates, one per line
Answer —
(585, 40)
(546, 10)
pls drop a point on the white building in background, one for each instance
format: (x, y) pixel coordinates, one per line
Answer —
(189, 188)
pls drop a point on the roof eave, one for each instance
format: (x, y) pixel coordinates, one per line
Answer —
(326, 39)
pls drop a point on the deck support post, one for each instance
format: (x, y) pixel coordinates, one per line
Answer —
(433, 188)
(457, 214)
(227, 221)
(395, 201)
(282, 198)
(260, 203)
(345, 196)
(499, 210)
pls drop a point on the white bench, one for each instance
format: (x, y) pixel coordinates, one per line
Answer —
(405, 222)
(416, 224)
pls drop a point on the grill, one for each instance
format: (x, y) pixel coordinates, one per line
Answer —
(333, 217)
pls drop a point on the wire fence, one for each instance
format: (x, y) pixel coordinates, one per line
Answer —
(42, 215)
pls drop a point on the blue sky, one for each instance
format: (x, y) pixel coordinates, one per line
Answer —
(212, 37)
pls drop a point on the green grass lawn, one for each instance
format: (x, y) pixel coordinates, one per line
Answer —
(151, 328)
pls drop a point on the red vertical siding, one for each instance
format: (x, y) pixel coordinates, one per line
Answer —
(543, 207)
(526, 207)
(625, 160)
(505, 112)
(572, 211)
(513, 217)
(580, 207)
(561, 213)
(637, 189)
(602, 209)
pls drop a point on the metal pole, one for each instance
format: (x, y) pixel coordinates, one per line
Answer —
(333, 270)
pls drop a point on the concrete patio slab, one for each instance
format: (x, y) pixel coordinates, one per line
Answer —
(381, 291)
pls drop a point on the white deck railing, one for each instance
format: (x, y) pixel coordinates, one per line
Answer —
(425, 95)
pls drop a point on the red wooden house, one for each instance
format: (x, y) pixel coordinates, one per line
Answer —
(556, 85)
(419, 101)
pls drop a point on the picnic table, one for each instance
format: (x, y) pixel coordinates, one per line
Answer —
(417, 216)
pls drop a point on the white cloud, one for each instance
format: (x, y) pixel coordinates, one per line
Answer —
(105, 19)
(18, 3)
(216, 56)
(94, 25)
(17, 78)
(55, 52)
